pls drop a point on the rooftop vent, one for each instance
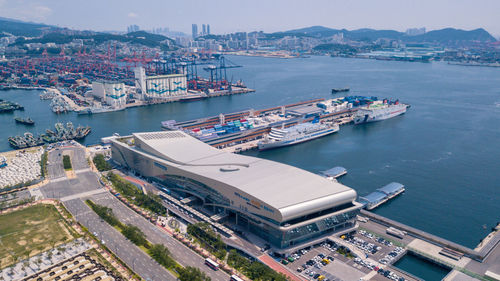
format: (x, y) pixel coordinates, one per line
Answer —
(229, 169)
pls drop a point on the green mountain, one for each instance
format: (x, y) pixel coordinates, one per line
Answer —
(451, 34)
(446, 35)
(50, 34)
(20, 28)
(148, 36)
(313, 31)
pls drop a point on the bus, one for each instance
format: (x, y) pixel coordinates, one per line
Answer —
(213, 265)
(235, 278)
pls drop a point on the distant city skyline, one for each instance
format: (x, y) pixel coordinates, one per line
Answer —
(227, 16)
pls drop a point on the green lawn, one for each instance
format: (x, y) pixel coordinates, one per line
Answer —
(30, 231)
(67, 162)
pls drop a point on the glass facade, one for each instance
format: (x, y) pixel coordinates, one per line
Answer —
(208, 194)
(294, 236)
(273, 235)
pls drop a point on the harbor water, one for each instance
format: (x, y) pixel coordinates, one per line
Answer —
(421, 268)
(445, 149)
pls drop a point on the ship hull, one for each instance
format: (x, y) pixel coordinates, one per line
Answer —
(277, 144)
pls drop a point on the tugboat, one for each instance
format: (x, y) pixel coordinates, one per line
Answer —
(28, 121)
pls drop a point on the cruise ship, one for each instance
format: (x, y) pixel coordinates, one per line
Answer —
(296, 134)
(380, 111)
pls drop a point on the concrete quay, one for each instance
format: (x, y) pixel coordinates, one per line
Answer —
(482, 262)
(429, 237)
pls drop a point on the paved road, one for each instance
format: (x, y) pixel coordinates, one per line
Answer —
(78, 159)
(181, 253)
(63, 187)
(134, 257)
(55, 167)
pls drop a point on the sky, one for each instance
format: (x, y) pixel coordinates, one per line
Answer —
(225, 16)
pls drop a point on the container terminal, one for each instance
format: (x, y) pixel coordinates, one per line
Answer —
(96, 84)
(241, 131)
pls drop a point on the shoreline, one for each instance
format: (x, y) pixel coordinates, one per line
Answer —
(28, 88)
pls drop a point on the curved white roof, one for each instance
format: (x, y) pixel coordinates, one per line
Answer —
(292, 191)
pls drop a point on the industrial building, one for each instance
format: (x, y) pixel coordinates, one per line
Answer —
(111, 93)
(169, 86)
(283, 205)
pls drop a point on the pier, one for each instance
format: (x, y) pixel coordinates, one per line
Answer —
(241, 131)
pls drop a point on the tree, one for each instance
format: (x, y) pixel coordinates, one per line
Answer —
(190, 273)
(101, 164)
(161, 254)
(134, 234)
(236, 260)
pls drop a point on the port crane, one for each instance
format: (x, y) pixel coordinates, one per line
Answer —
(218, 73)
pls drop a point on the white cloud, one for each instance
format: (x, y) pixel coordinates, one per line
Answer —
(24, 11)
(41, 12)
(133, 15)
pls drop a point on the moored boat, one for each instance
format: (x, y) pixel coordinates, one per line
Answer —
(380, 111)
(27, 121)
(296, 134)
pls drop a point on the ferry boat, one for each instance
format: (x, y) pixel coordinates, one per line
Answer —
(296, 134)
(378, 112)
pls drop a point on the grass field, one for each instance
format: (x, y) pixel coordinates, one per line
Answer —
(30, 231)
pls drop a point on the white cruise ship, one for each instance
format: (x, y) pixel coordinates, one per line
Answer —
(379, 112)
(296, 134)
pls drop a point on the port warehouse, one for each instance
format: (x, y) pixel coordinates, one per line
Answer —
(283, 205)
(111, 93)
(160, 86)
(233, 128)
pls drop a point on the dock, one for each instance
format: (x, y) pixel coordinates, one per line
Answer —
(240, 131)
(334, 172)
(382, 195)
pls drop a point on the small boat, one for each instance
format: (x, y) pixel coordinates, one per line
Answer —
(27, 121)
(340, 90)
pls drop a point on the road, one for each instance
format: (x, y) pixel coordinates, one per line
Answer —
(87, 186)
(55, 167)
(134, 257)
(181, 253)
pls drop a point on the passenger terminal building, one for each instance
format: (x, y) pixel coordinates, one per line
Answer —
(283, 205)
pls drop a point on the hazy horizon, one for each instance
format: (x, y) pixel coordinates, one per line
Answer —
(226, 16)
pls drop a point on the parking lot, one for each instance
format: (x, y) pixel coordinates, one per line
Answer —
(327, 261)
(376, 248)
(331, 261)
(379, 254)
